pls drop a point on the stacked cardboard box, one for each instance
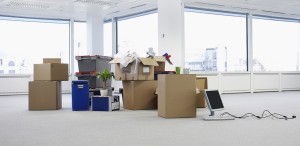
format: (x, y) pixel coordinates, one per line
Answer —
(45, 90)
(138, 83)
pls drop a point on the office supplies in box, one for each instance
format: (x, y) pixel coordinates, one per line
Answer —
(44, 95)
(136, 68)
(105, 103)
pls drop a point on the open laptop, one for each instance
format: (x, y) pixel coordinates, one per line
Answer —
(214, 103)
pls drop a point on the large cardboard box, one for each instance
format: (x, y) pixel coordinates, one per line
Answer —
(139, 95)
(137, 69)
(176, 95)
(51, 60)
(50, 72)
(161, 63)
(201, 84)
(45, 95)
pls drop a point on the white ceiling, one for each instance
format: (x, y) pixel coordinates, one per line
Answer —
(81, 9)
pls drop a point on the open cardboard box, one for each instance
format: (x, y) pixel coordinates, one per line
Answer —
(137, 69)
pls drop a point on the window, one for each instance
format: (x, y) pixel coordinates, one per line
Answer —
(215, 41)
(1, 71)
(1, 62)
(276, 44)
(11, 71)
(11, 63)
(137, 34)
(107, 30)
(80, 41)
(23, 38)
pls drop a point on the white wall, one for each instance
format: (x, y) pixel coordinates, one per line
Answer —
(224, 82)
(18, 84)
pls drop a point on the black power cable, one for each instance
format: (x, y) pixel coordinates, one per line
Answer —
(263, 115)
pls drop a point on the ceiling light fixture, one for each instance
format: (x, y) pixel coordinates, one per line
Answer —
(105, 2)
(24, 4)
(137, 6)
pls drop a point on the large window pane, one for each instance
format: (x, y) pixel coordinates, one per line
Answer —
(80, 41)
(107, 29)
(215, 41)
(276, 45)
(138, 34)
(25, 42)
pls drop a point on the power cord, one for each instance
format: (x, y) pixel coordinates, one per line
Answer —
(275, 115)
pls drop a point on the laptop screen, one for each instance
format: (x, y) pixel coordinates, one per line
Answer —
(214, 99)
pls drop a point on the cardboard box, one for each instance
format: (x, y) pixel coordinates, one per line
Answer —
(143, 71)
(139, 95)
(51, 72)
(44, 95)
(51, 60)
(176, 95)
(201, 84)
(161, 63)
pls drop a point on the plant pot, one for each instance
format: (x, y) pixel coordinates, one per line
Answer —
(103, 92)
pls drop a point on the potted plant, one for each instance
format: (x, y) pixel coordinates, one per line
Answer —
(104, 75)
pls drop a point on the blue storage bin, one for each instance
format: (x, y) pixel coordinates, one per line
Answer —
(80, 95)
(101, 103)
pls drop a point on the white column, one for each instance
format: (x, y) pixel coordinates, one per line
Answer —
(95, 35)
(171, 31)
(114, 36)
(250, 52)
(72, 56)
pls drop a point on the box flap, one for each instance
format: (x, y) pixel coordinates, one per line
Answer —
(115, 60)
(148, 61)
(160, 58)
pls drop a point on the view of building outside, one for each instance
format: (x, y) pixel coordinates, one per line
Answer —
(215, 42)
(25, 42)
(138, 34)
(276, 45)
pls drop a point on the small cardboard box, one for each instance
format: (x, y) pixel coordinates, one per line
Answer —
(139, 95)
(51, 60)
(50, 72)
(161, 63)
(201, 84)
(143, 71)
(176, 95)
(44, 95)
